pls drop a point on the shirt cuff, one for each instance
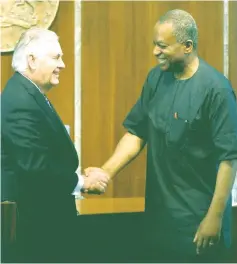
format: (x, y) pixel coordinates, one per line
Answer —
(77, 190)
(80, 181)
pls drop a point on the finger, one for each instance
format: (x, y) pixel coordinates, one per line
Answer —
(199, 245)
(97, 188)
(211, 243)
(94, 189)
(101, 188)
(195, 238)
(102, 184)
(98, 175)
(103, 177)
(205, 242)
(86, 171)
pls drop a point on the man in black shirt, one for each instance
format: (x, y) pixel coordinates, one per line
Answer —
(187, 117)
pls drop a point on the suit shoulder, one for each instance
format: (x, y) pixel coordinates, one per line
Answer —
(15, 98)
(15, 94)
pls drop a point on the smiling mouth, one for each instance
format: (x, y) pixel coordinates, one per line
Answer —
(56, 74)
(161, 60)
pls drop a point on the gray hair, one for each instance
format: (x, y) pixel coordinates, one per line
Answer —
(185, 27)
(33, 41)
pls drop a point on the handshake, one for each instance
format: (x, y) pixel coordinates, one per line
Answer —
(95, 180)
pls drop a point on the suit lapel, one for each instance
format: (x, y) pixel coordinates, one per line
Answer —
(50, 114)
(63, 129)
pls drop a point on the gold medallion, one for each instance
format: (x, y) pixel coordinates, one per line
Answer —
(19, 15)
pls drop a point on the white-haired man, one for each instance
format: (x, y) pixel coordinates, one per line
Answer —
(38, 158)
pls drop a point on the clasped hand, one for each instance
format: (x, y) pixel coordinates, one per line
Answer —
(95, 180)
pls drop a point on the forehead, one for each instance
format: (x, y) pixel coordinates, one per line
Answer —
(164, 33)
(53, 48)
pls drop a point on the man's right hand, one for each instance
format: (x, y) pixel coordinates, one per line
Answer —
(96, 182)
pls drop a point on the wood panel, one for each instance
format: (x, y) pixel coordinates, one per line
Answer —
(232, 43)
(107, 70)
(116, 57)
(6, 69)
(61, 96)
(110, 205)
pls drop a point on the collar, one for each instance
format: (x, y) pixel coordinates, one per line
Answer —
(31, 82)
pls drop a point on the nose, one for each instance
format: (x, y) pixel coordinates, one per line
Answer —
(156, 51)
(61, 64)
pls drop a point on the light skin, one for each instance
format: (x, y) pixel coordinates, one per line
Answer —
(181, 59)
(44, 71)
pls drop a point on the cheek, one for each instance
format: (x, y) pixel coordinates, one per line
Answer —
(51, 69)
(177, 55)
(170, 54)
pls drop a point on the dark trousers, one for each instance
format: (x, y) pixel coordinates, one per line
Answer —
(166, 244)
(47, 231)
(159, 254)
(48, 242)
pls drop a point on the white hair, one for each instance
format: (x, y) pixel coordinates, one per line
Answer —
(33, 41)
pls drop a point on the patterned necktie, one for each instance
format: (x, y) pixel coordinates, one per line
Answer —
(47, 100)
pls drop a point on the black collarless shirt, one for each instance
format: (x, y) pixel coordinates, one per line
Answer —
(190, 126)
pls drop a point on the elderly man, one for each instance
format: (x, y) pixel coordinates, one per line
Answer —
(38, 158)
(187, 117)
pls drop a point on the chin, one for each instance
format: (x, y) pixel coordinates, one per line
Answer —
(54, 83)
(164, 67)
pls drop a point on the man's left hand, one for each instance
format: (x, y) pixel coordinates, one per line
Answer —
(208, 233)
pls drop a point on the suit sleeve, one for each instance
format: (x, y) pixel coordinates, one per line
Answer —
(28, 148)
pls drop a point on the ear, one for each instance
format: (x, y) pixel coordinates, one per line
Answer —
(31, 61)
(188, 46)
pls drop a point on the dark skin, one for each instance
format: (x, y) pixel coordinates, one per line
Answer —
(181, 59)
(173, 56)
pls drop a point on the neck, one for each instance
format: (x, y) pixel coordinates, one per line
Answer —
(190, 68)
(30, 76)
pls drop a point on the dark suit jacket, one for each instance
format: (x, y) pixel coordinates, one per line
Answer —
(38, 157)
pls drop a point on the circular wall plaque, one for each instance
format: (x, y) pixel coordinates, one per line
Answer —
(19, 15)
